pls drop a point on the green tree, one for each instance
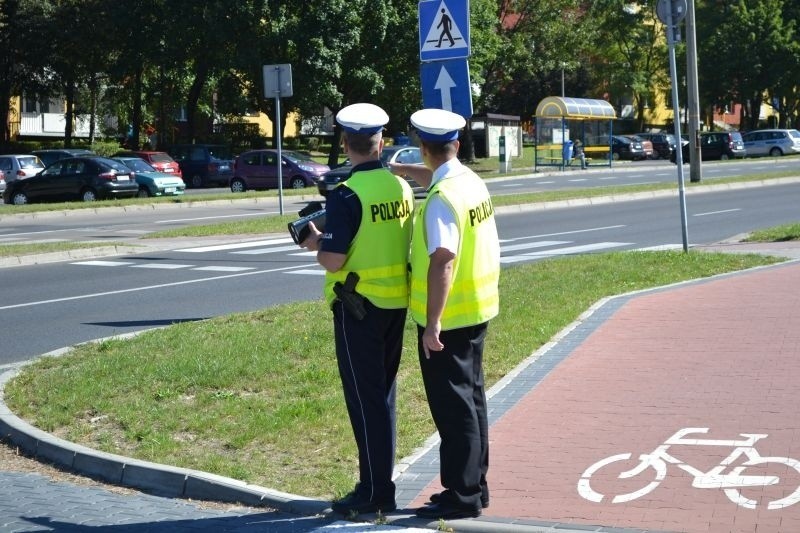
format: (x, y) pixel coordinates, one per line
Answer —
(632, 53)
(752, 46)
(23, 62)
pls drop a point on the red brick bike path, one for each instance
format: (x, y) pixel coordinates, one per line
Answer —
(722, 354)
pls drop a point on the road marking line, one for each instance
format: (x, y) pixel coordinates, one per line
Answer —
(260, 251)
(104, 263)
(526, 246)
(163, 266)
(660, 248)
(219, 216)
(147, 288)
(220, 247)
(716, 212)
(223, 268)
(308, 271)
(572, 232)
(563, 251)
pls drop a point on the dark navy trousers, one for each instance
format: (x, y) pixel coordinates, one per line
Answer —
(368, 353)
(454, 386)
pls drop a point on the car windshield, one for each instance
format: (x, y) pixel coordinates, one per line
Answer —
(113, 164)
(134, 163)
(296, 157)
(219, 152)
(161, 158)
(30, 162)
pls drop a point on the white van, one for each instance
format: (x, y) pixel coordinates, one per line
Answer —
(773, 143)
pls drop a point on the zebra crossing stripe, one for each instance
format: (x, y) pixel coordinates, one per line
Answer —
(563, 251)
(529, 245)
(260, 251)
(161, 266)
(222, 247)
(223, 269)
(104, 263)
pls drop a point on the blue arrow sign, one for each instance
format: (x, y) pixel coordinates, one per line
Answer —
(445, 85)
(443, 29)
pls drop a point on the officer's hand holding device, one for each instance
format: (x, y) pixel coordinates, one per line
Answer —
(312, 213)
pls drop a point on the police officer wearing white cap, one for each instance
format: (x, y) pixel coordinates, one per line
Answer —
(455, 267)
(367, 232)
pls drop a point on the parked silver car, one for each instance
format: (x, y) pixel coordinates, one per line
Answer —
(17, 166)
(774, 143)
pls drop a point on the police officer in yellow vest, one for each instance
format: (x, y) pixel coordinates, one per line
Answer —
(367, 232)
(455, 267)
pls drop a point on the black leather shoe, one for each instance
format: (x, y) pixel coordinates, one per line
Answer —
(436, 497)
(358, 502)
(446, 511)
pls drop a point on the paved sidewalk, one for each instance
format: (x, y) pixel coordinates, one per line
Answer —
(697, 372)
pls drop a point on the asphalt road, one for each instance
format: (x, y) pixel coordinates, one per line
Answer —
(48, 306)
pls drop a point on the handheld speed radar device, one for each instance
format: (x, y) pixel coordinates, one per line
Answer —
(313, 212)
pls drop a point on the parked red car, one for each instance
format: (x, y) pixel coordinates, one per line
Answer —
(160, 161)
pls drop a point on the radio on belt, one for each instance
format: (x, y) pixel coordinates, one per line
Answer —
(313, 212)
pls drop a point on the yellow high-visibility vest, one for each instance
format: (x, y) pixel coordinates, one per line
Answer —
(473, 298)
(379, 252)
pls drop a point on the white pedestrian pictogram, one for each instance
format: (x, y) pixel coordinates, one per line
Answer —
(443, 32)
(724, 476)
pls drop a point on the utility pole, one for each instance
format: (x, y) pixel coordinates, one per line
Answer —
(693, 98)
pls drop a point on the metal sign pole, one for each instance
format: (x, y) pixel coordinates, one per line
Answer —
(277, 83)
(280, 156)
(671, 30)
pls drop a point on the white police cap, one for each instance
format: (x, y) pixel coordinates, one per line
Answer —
(362, 118)
(437, 124)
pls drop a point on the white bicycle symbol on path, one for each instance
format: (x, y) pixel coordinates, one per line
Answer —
(731, 481)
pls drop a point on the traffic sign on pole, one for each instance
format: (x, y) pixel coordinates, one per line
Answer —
(277, 81)
(443, 29)
(446, 85)
(277, 85)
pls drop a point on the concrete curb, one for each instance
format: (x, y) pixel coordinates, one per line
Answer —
(155, 478)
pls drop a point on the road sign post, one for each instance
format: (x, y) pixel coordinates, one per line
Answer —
(671, 12)
(277, 83)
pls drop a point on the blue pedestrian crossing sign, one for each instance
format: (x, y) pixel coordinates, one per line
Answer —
(443, 29)
(445, 85)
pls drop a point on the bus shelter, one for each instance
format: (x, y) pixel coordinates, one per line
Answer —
(561, 121)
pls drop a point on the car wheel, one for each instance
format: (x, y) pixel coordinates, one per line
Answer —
(297, 183)
(142, 193)
(88, 195)
(238, 185)
(615, 156)
(19, 198)
(724, 157)
(197, 181)
(776, 152)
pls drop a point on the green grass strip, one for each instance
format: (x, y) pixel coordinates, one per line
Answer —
(256, 396)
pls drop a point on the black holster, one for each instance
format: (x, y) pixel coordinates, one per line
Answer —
(351, 300)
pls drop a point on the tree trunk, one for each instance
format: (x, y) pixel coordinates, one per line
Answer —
(336, 141)
(136, 115)
(92, 108)
(69, 96)
(193, 98)
(5, 111)
(469, 144)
